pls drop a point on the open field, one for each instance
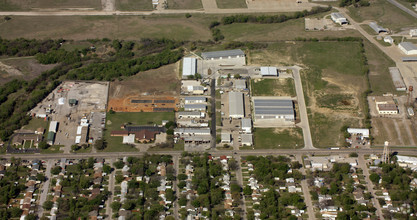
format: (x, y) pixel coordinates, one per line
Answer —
(288, 30)
(386, 14)
(385, 129)
(36, 123)
(273, 87)
(231, 4)
(157, 84)
(115, 121)
(278, 138)
(25, 5)
(184, 4)
(175, 27)
(325, 80)
(134, 5)
(26, 68)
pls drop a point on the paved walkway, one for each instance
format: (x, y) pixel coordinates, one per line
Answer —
(45, 187)
(370, 185)
(304, 124)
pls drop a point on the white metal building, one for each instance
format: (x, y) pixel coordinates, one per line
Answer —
(226, 137)
(236, 105)
(413, 33)
(338, 18)
(269, 71)
(195, 107)
(378, 29)
(189, 66)
(53, 126)
(247, 139)
(224, 54)
(246, 125)
(195, 114)
(240, 84)
(194, 99)
(274, 109)
(362, 131)
(408, 48)
(192, 131)
(388, 39)
(397, 79)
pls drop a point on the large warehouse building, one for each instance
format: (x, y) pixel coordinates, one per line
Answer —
(408, 48)
(274, 109)
(338, 18)
(189, 66)
(224, 54)
(236, 105)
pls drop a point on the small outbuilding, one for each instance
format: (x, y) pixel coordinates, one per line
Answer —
(378, 29)
(269, 71)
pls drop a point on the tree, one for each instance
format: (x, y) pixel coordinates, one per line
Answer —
(182, 201)
(15, 212)
(31, 217)
(182, 176)
(182, 184)
(119, 178)
(48, 205)
(107, 169)
(118, 164)
(188, 15)
(237, 76)
(56, 170)
(100, 144)
(40, 177)
(43, 145)
(247, 190)
(75, 147)
(129, 205)
(115, 206)
(7, 18)
(374, 177)
(235, 188)
(353, 154)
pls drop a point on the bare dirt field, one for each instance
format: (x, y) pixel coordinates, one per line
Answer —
(158, 84)
(113, 27)
(399, 132)
(21, 68)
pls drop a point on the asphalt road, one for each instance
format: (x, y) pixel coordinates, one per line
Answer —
(213, 113)
(402, 7)
(304, 124)
(45, 187)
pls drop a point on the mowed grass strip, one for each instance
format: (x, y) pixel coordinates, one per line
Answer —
(231, 4)
(118, 119)
(273, 87)
(278, 138)
(184, 4)
(24, 5)
(134, 5)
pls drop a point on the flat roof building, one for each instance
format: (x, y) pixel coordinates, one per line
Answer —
(362, 131)
(247, 139)
(397, 79)
(226, 137)
(388, 39)
(236, 105)
(195, 107)
(338, 18)
(189, 66)
(378, 29)
(269, 71)
(408, 48)
(53, 126)
(274, 109)
(195, 114)
(246, 124)
(386, 106)
(194, 99)
(192, 131)
(240, 84)
(224, 54)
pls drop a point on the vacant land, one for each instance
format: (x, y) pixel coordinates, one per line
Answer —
(231, 4)
(386, 14)
(175, 27)
(333, 89)
(273, 87)
(26, 68)
(115, 121)
(36, 123)
(398, 132)
(24, 5)
(134, 5)
(184, 4)
(278, 138)
(288, 30)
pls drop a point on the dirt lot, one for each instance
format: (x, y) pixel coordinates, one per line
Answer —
(112, 27)
(158, 84)
(21, 68)
(399, 132)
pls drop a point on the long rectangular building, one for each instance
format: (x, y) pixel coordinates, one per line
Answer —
(274, 109)
(397, 79)
(189, 66)
(224, 54)
(236, 105)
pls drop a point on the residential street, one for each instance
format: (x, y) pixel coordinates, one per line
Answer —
(306, 191)
(45, 186)
(109, 211)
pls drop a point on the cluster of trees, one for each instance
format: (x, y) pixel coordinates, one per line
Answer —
(59, 56)
(248, 44)
(273, 205)
(148, 204)
(23, 47)
(266, 19)
(8, 188)
(9, 88)
(356, 3)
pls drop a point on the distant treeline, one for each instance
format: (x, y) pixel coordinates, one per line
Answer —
(266, 19)
(23, 47)
(356, 3)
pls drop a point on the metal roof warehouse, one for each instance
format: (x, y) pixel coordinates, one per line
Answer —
(222, 54)
(274, 109)
(189, 66)
(236, 105)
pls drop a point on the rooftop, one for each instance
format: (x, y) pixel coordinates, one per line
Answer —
(236, 103)
(223, 53)
(408, 46)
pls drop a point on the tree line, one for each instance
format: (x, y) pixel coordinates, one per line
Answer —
(24, 47)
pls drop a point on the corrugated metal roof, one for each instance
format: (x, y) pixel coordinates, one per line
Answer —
(397, 79)
(223, 53)
(269, 71)
(193, 98)
(240, 84)
(195, 106)
(378, 29)
(236, 104)
(272, 102)
(247, 138)
(189, 113)
(189, 66)
(274, 111)
(192, 130)
(408, 46)
(246, 122)
(337, 15)
(53, 126)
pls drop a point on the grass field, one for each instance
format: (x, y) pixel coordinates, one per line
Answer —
(184, 4)
(114, 121)
(273, 87)
(175, 27)
(277, 138)
(385, 14)
(36, 123)
(231, 4)
(24, 5)
(134, 5)
(54, 149)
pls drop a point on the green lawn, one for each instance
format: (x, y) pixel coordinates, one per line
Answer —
(273, 87)
(177, 147)
(54, 149)
(134, 5)
(36, 123)
(116, 120)
(184, 4)
(385, 14)
(231, 4)
(274, 138)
